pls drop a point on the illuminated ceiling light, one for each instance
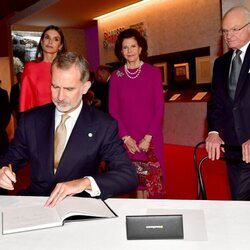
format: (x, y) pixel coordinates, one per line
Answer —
(121, 9)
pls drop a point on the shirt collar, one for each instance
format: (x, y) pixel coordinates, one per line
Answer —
(243, 51)
(244, 48)
(74, 114)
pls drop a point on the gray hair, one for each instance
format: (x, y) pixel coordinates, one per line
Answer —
(241, 8)
(66, 60)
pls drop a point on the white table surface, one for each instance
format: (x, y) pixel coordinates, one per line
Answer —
(227, 226)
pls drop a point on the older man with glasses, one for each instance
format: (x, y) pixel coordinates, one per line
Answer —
(229, 106)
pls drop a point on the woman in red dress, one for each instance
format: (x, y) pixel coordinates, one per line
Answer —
(36, 79)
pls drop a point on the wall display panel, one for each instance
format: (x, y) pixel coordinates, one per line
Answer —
(203, 69)
(181, 72)
(163, 70)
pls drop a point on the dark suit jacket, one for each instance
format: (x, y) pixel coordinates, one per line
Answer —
(14, 100)
(94, 138)
(230, 117)
(101, 91)
(4, 119)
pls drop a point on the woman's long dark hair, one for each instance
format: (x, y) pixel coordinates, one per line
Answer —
(39, 51)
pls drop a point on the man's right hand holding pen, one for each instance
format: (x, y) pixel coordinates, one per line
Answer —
(7, 178)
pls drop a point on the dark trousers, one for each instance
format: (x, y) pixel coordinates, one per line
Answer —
(3, 191)
(239, 179)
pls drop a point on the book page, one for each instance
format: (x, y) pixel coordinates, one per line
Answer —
(83, 206)
(37, 217)
(29, 218)
(199, 96)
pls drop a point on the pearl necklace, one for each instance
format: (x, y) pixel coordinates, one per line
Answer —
(133, 75)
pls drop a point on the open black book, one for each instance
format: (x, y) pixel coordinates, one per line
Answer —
(21, 219)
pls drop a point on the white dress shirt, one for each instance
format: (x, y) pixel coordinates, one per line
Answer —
(70, 123)
(243, 50)
(242, 55)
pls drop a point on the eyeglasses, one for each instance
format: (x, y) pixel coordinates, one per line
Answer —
(233, 31)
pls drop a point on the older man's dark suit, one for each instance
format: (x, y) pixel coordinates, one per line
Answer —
(231, 118)
(93, 138)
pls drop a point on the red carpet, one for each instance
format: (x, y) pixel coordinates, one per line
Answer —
(180, 175)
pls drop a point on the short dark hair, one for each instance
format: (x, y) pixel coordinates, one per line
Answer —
(66, 60)
(129, 33)
(102, 68)
(39, 51)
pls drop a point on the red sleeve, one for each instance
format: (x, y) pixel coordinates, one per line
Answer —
(27, 90)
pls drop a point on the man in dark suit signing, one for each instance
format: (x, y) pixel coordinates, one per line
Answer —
(15, 97)
(86, 136)
(229, 107)
(4, 119)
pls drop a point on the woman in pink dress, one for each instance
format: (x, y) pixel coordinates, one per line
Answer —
(136, 101)
(36, 79)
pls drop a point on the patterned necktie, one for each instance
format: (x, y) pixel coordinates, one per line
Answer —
(60, 138)
(234, 74)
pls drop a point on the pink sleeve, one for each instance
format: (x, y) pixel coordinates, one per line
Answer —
(157, 119)
(114, 103)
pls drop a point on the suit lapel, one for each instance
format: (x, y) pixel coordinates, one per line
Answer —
(243, 73)
(45, 137)
(227, 63)
(78, 144)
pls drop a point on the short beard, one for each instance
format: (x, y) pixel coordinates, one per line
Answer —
(67, 108)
